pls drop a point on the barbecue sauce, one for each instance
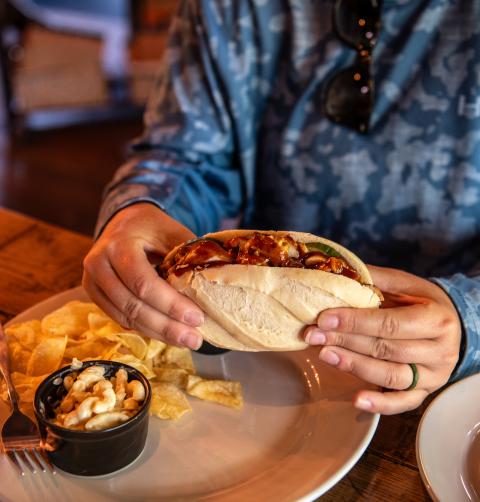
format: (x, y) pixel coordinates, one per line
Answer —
(258, 249)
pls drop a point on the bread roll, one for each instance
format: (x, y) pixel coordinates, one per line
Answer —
(260, 308)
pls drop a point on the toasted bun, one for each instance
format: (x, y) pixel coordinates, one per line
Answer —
(255, 308)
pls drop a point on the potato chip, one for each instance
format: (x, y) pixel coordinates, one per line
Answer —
(90, 349)
(71, 319)
(177, 376)
(168, 402)
(18, 356)
(224, 392)
(27, 379)
(110, 331)
(23, 382)
(25, 387)
(27, 395)
(78, 340)
(83, 331)
(27, 409)
(135, 362)
(96, 321)
(155, 348)
(135, 343)
(177, 357)
(109, 353)
(25, 333)
(47, 356)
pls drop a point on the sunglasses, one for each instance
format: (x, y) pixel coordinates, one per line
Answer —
(348, 96)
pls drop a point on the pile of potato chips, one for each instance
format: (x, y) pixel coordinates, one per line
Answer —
(80, 330)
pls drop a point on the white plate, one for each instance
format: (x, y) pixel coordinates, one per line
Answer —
(297, 436)
(448, 443)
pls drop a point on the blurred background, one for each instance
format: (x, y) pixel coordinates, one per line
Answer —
(74, 79)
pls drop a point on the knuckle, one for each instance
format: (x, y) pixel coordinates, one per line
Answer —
(130, 312)
(392, 379)
(89, 263)
(381, 349)
(453, 358)
(389, 326)
(347, 323)
(174, 310)
(113, 249)
(140, 287)
(338, 339)
(450, 356)
(348, 365)
(168, 333)
(446, 323)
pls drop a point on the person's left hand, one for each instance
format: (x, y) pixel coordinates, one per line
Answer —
(417, 323)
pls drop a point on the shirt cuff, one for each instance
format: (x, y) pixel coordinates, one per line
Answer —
(463, 291)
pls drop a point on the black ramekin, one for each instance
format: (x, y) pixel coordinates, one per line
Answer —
(90, 453)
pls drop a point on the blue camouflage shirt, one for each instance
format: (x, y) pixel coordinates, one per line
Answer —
(235, 127)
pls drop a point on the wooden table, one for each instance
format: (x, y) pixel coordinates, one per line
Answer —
(38, 260)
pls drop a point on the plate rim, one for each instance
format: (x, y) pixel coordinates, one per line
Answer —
(348, 466)
(418, 453)
(52, 298)
(308, 497)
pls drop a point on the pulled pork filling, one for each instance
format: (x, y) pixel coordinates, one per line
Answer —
(258, 249)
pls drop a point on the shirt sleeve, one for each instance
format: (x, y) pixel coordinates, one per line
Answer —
(185, 161)
(464, 291)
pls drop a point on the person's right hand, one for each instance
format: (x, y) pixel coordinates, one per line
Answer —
(120, 278)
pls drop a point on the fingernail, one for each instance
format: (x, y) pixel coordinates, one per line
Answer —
(194, 318)
(363, 404)
(328, 322)
(191, 341)
(329, 357)
(315, 338)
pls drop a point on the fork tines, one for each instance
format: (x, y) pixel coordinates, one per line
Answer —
(30, 455)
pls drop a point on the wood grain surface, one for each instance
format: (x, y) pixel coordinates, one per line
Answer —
(38, 260)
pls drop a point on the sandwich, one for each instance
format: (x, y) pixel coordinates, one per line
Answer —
(259, 289)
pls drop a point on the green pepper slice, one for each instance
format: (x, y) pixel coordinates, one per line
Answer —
(322, 248)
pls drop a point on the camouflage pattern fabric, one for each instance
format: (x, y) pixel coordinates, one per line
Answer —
(235, 127)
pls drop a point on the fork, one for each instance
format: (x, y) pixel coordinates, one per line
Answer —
(20, 436)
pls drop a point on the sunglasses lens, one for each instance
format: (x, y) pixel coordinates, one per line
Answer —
(348, 98)
(357, 22)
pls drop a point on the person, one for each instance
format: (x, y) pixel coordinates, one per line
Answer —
(352, 120)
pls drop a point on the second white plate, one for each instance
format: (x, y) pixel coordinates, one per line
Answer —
(448, 443)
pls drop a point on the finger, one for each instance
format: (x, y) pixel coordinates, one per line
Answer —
(100, 298)
(145, 284)
(396, 376)
(411, 322)
(391, 300)
(133, 287)
(134, 310)
(165, 329)
(387, 278)
(404, 286)
(173, 333)
(400, 351)
(389, 403)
